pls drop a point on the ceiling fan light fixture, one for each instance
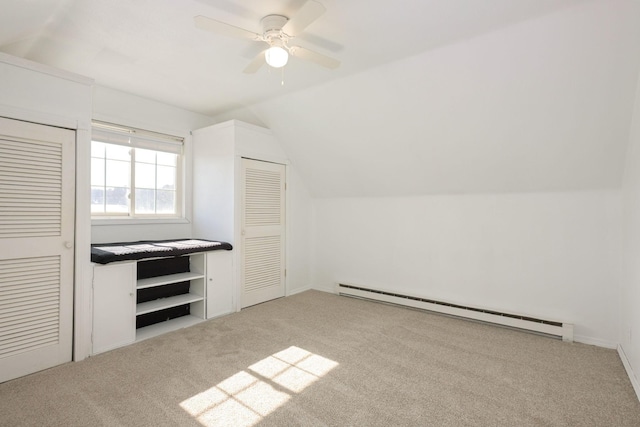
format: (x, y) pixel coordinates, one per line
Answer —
(277, 32)
(276, 56)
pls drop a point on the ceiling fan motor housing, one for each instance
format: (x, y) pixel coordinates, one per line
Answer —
(272, 26)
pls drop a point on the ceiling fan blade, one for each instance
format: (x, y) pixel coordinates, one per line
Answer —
(318, 58)
(309, 12)
(255, 64)
(224, 29)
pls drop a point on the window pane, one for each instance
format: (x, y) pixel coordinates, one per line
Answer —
(118, 173)
(166, 202)
(145, 156)
(145, 176)
(167, 159)
(97, 172)
(154, 174)
(166, 178)
(117, 200)
(97, 199)
(97, 149)
(118, 152)
(145, 201)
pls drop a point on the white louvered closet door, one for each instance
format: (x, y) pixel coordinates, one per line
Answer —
(263, 232)
(37, 193)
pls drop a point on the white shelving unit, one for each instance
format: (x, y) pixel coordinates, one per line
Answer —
(115, 306)
(196, 298)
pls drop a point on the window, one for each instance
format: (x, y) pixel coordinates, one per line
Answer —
(135, 173)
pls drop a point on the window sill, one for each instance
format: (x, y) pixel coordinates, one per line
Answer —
(98, 222)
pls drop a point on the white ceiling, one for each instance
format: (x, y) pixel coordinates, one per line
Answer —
(433, 96)
(151, 47)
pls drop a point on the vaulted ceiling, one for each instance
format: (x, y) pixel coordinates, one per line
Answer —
(432, 96)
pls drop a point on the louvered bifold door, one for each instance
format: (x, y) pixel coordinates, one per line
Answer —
(263, 232)
(37, 192)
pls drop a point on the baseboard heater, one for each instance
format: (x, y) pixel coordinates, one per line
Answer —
(547, 327)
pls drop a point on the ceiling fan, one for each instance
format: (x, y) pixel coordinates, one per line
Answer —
(277, 32)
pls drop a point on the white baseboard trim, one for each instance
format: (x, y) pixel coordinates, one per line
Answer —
(630, 373)
(595, 341)
(298, 290)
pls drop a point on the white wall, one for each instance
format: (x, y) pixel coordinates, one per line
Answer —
(127, 109)
(548, 255)
(122, 108)
(299, 229)
(630, 288)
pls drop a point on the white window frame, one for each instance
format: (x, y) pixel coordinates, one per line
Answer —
(110, 133)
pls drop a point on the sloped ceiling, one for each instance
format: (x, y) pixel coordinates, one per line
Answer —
(432, 96)
(152, 48)
(541, 105)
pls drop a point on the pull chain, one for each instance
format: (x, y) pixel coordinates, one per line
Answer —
(281, 75)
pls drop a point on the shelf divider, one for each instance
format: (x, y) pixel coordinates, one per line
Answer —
(168, 279)
(162, 303)
(166, 326)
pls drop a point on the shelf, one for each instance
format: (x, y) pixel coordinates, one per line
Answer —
(162, 303)
(166, 326)
(168, 279)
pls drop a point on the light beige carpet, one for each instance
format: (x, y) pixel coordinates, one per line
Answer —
(317, 359)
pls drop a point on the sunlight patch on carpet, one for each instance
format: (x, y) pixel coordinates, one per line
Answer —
(246, 398)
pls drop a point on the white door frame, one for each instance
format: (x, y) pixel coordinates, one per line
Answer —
(262, 231)
(237, 232)
(46, 295)
(83, 274)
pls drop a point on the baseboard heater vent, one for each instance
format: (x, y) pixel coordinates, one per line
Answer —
(548, 327)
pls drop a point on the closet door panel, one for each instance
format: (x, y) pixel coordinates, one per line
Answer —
(263, 232)
(37, 193)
